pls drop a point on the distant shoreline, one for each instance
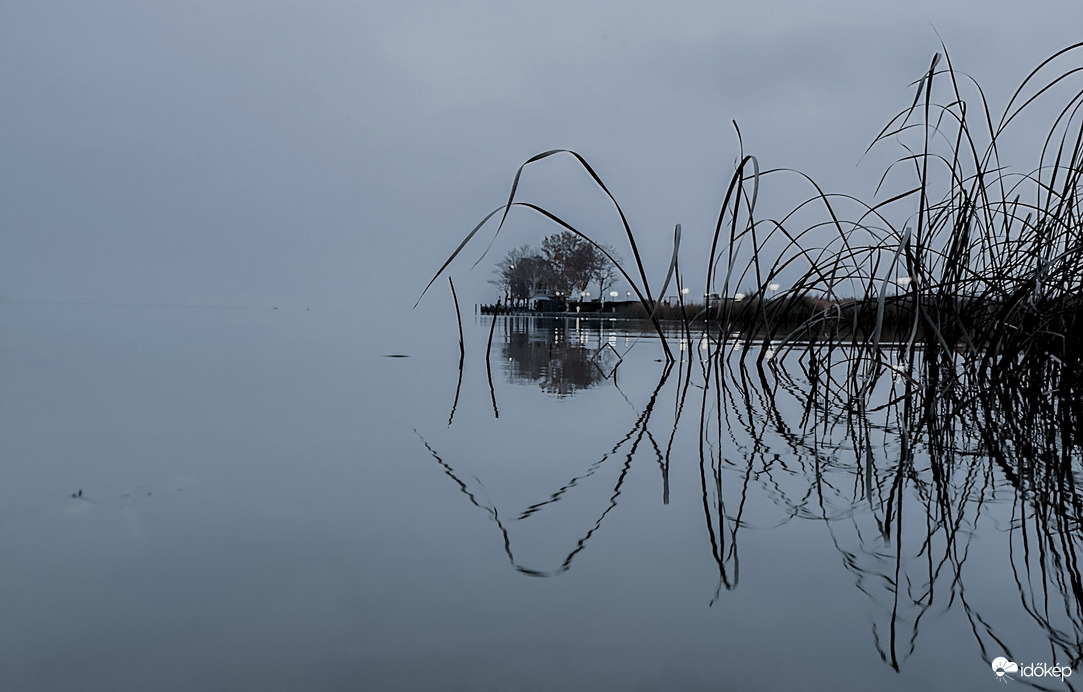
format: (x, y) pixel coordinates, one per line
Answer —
(958, 321)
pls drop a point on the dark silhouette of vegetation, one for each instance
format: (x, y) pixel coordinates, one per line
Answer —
(523, 274)
(566, 265)
(969, 258)
(931, 343)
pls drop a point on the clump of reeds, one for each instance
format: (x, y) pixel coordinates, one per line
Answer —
(979, 341)
(991, 262)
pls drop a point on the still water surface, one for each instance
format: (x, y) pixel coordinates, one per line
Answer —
(271, 502)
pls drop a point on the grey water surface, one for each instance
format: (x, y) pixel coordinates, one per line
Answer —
(265, 499)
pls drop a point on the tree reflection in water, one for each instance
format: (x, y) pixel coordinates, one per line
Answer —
(560, 355)
(903, 462)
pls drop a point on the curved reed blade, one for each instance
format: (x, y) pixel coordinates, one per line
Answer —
(598, 181)
(642, 294)
(879, 328)
(455, 254)
(488, 359)
(462, 352)
(672, 261)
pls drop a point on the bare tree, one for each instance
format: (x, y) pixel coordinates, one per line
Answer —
(565, 264)
(603, 272)
(522, 274)
(571, 258)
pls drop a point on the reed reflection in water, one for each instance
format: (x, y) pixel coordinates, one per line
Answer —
(930, 489)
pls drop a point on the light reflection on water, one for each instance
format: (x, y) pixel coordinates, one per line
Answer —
(270, 503)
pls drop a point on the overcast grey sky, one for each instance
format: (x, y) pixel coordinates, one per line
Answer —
(324, 153)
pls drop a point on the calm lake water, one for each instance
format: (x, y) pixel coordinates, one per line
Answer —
(269, 501)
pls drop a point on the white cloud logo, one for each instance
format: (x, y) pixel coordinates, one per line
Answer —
(1002, 666)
